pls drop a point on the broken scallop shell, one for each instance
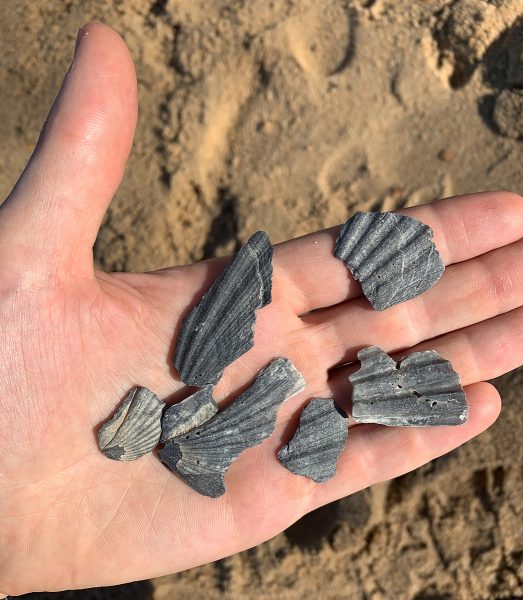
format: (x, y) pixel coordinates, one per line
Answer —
(188, 414)
(392, 256)
(318, 442)
(421, 389)
(220, 328)
(202, 456)
(135, 428)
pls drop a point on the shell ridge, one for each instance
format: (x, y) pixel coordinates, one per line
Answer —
(230, 432)
(135, 428)
(116, 421)
(233, 413)
(409, 274)
(393, 256)
(379, 257)
(378, 230)
(317, 442)
(208, 310)
(220, 328)
(351, 232)
(389, 291)
(375, 257)
(425, 390)
(140, 414)
(188, 414)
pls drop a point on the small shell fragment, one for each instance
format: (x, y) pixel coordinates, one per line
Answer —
(421, 389)
(202, 456)
(188, 414)
(135, 428)
(221, 327)
(318, 442)
(392, 256)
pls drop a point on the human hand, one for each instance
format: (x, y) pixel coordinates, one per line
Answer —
(75, 340)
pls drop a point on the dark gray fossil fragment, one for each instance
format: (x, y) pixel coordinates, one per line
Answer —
(135, 428)
(221, 327)
(392, 256)
(202, 456)
(188, 414)
(421, 389)
(318, 441)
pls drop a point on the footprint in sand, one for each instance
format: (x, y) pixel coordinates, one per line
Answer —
(341, 169)
(508, 113)
(465, 31)
(318, 36)
(503, 71)
(229, 87)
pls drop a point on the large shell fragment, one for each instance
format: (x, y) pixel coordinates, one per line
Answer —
(421, 389)
(392, 256)
(202, 456)
(318, 442)
(188, 414)
(135, 428)
(221, 327)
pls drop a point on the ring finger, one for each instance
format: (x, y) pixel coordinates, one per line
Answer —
(477, 353)
(468, 293)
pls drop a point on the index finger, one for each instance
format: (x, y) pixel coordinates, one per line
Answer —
(464, 227)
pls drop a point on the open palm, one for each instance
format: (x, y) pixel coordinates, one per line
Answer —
(75, 340)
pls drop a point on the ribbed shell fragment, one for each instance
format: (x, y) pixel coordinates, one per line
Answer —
(221, 327)
(318, 442)
(188, 414)
(135, 428)
(421, 389)
(392, 256)
(202, 456)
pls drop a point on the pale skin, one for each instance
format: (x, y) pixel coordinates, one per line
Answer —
(74, 340)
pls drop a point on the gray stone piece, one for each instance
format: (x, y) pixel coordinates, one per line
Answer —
(135, 428)
(421, 389)
(202, 456)
(188, 414)
(221, 327)
(392, 256)
(318, 442)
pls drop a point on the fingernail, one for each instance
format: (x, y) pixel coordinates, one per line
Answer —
(79, 37)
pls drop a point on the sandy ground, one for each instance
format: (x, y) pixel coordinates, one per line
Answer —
(288, 116)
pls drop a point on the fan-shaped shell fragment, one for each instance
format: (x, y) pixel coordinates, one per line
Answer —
(188, 414)
(421, 389)
(221, 327)
(135, 428)
(392, 256)
(202, 456)
(318, 441)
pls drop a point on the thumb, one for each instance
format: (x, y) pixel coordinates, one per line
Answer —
(53, 214)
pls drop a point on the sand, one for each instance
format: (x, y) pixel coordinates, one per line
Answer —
(288, 116)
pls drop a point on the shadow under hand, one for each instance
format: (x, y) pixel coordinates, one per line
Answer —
(139, 590)
(320, 525)
(502, 69)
